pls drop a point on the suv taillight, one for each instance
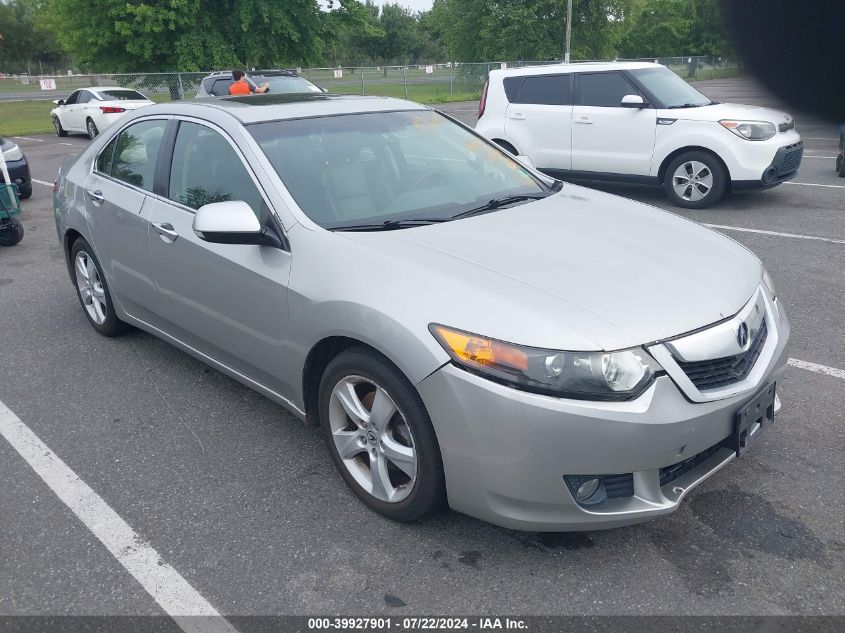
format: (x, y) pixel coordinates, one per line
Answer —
(483, 102)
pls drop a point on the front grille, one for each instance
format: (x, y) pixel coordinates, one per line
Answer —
(791, 159)
(668, 474)
(720, 372)
(785, 127)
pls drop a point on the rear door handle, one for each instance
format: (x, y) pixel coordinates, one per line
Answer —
(166, 231)
(584, 120)
(96, 196)
(517, 116)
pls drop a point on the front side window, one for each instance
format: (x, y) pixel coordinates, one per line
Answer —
(381, 167)
(545, 90)
(104, 160)
(207, 169)
(136, 153)
(604, 89)
(669, 89)
(72, 99)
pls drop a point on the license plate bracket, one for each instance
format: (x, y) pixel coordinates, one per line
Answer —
(752, 419)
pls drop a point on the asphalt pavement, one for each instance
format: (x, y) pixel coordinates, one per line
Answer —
(243, 501)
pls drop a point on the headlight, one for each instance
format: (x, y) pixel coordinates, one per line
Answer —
(580, 375)
(770, 286)
(13, 153)
(751, 130)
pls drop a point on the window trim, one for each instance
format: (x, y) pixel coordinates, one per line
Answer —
(635, 89)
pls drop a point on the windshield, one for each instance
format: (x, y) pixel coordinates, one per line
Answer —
(280, 84)
(121, 95)
(388, 167)
(669, 89)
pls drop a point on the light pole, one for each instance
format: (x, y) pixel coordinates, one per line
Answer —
(568, 29)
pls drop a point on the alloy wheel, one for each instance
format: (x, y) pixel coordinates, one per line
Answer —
(92, 130)
(373, 438)
(692, 181)
(90, 286)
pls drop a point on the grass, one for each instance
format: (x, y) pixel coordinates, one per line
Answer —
(18, 118)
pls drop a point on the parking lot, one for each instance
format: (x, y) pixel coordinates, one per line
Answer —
(242, 501)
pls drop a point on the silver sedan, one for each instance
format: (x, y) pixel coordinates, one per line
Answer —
(463, 328)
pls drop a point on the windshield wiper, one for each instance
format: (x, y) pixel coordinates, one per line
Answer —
(687, 105)
(389, 225)
(497, 203)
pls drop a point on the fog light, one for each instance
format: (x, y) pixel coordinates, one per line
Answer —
(587, 489)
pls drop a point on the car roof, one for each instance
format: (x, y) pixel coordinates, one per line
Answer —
(272, 107)
(103, 88)
(258, 73)
(582, 67)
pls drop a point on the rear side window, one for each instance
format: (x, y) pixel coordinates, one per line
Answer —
(544, 90)
(207, 169)
(85, 97)
(604, 89)
(136, 153)
(221, 87)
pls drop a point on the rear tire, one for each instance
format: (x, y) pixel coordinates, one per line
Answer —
(12, 233)
(91, 127)
(391, 457)
(57, 124)
(93, 291)
(695, 180)
(25, 191)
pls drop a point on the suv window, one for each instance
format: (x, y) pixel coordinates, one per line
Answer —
(207, 169)
(544, 90)
(604, 89)
(221, 87)
(136, 153)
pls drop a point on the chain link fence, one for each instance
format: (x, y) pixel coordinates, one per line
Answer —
(429, 83)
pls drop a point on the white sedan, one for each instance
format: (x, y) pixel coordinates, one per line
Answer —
(92, 110)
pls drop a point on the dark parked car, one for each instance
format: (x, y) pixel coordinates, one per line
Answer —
(279, 82)
(17, 166)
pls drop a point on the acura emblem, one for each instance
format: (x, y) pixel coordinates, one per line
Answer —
(742, 335)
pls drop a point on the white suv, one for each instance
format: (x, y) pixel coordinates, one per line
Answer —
(637, 122)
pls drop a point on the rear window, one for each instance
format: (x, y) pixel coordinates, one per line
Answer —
(284, 84)
(540, 90)
(121, 95)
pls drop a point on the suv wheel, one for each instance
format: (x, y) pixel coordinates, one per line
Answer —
(380, 436)
(695, 180)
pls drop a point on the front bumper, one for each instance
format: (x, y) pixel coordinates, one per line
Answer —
(506, 452)
(19, 174)
(784, 166)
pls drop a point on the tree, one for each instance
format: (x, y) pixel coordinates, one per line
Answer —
(661, 29)
(23, 38)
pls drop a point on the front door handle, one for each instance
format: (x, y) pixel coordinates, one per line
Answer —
(96, 196)
(584, 120)
(166, 231)
(517, 116)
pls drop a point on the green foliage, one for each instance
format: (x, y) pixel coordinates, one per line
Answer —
(23, 37)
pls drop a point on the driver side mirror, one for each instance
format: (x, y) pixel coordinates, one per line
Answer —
(632, 101)
(59, 102)
(232, 222)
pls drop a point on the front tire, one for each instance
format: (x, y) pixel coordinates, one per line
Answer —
(695, 180)
(93, 292)
(57, 125)
(380, 436)
(91, 127)
(11, 233)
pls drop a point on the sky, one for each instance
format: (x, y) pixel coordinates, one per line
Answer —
(415, 5)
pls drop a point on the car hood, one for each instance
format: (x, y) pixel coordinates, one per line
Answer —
(580, 270)
(722, 111)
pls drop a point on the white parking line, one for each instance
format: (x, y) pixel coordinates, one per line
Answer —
(26, 138)
(819, 369)
(832, 240)
(71, 144)
(167, 587)
(813, 184)
(828, 157)
(819, 138)
(43, 182)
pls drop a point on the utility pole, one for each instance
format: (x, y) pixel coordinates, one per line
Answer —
(568, 29)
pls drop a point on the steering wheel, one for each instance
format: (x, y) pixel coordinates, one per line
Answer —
(429, 176)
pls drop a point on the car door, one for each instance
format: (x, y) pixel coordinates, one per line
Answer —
(538, 118)
(118, 208)
(69, 112)
(228, 301)
(606, 137)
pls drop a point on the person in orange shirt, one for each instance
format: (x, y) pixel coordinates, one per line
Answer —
(240, 86)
